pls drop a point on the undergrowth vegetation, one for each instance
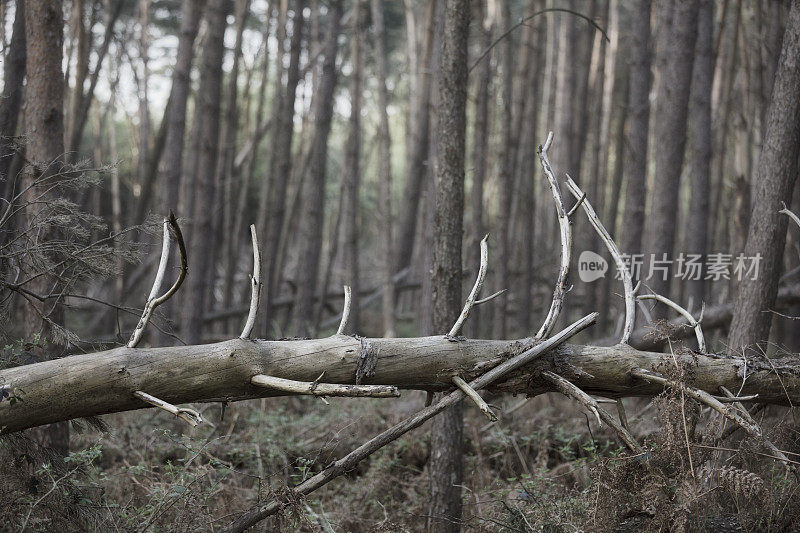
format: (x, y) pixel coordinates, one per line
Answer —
(545, 466)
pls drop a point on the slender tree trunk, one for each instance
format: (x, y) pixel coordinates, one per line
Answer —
(175, 121)
(672, 100)
(480, 146)
(314, 186)
(638, 127)
(700, 154)
(505, 176)
(144, 89)
(352, 165)
(81, 112)
(191, 13)
(11, 100)
(206, 206)
(385, 174)
(419, 147)
(775, 177)
(44, 127)
(225, 173)
(272, 223)
(446, 467)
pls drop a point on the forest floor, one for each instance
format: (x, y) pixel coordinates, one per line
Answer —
(545, 466)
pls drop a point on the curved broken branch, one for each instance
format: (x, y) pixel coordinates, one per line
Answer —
(190, 416)
(255, 294)
(565, 230)
(472, 300)
(154, 301)
(698, 331)
(348, 297)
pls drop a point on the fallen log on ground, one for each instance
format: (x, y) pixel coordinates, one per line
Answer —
(104, 382)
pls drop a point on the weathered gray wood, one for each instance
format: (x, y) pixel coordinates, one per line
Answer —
(104, 382)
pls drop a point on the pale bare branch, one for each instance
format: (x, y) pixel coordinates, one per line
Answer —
(475, 397)
(348, 297)
(573, 391)
(191, 416)
(627, 283)
(476, 289)
(154, 301)
(315, 388)
(255, 295)
(698, 331)
(565, 230)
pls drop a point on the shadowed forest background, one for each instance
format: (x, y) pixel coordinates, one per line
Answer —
(373, 144)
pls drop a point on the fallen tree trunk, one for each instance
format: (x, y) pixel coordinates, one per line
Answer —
(105, 382)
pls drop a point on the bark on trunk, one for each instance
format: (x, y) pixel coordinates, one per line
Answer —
(104, 382)
(44, 127)
(670, 132)
(352, 175)
(385, 174)
(775, 178)
(205, 205)
(314, 185)
(700, 155)
(638, 127)
(271, 216)
(419, 147)
(446, 465)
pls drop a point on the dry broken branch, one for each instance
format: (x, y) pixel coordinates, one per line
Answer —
(153, 300)
(565, 232)
(340, 466)
(630, 301)
(325, 389)
(473, 395)
(191, 416)
(348, 297)
(476, 290)
(744, 421)
(255, 295)
(569, 389)
(698, 331)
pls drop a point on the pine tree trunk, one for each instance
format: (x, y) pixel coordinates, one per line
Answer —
(385, 174)
(314, 184)
(677, 57)
(638, 127)
(446, 467)
(206, 206)
(700, 158)
(44, 127)
(775, 177)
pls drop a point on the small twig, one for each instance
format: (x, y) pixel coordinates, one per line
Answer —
(698, 331)
(191, 416)
(348, 297)
(577, 205)
(788, 212)
(255, 295)
(490, 297)
(476, 289)
(523, 20)
(475, 397)
(152, 300)
(627, 283)
(565, 229)
(623, 417)
(573, 391)
(325, 389)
